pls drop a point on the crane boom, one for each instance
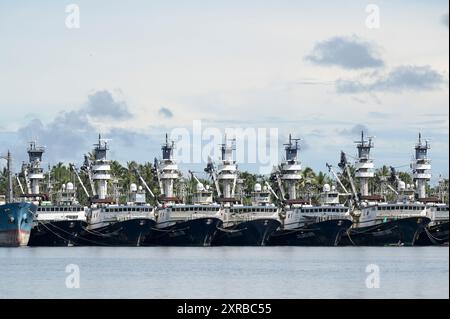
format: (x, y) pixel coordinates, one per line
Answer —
(145, 183)
(271, 190)
(280, 186)
(79, 179)
(330, 169)
(20, 185)
(344, 165)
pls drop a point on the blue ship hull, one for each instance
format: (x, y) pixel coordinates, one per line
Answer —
(16, 221)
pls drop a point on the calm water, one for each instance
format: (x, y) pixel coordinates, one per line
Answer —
(266, 272)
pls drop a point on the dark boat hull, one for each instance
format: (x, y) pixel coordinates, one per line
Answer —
(401, 232)
(16, 221)
(132, 232)
(325, 233)
(57, 233)
(434, 235)
(250, 233)
(196, 232)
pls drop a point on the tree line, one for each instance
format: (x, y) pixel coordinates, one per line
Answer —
(123, 176)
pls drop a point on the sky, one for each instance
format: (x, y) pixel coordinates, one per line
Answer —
(135, 70)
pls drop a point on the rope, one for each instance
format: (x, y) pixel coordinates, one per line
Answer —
(96, 233)
(231, 231)
(172, 231)
(350, 237)
(54, 233)
(82, 238)
(432, 238)
(370, 229)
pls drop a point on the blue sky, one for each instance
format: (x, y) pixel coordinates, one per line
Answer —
(134, 70)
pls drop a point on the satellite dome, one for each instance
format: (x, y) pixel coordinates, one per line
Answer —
(69, 186)
(200, 187)
(401, 185)
(257, 187)
(326, 188)
(140, 188)
(133, 187)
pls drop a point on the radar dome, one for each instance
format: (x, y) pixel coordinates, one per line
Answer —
(401, 185)
(326, 188)
(257, 187)
(140, 188)
(69, 186)
(133, 187)
(200, 187)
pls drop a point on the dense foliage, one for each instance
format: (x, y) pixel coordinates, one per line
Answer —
(123, 175)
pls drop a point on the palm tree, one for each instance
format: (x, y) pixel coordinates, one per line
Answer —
(381, 177)
(405, 177)
(308, 177)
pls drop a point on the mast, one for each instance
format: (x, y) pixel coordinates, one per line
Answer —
(421, 167)
(101, 168)
(291, 168)
(35, 172)
(10, 185)
(364, 166)
(167, 170)
(228, 174)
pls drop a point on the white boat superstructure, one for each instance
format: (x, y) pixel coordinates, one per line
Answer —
(376, 221)
(105, 215)
(299, 213)
(66, 208)
(173, 211)
(226, 180)
(104, 212)
(383, 212)
(421, 168)
(329, 208)
(260, 208)
(56, 222)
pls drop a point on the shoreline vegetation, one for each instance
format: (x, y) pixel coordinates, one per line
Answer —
(309, 186)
